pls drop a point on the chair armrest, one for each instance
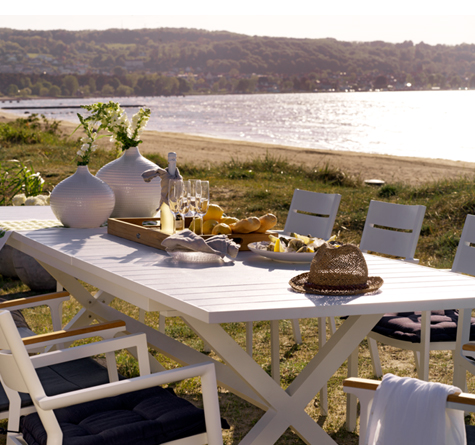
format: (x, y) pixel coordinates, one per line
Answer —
(125, 386)
(138, 341)
(469, 347)
(359, 383)
(39, 300)
(96, 330)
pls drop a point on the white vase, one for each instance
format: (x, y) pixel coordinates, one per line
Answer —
(82, 201)
(133, 196)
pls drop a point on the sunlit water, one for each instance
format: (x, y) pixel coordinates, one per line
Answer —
(428, 124)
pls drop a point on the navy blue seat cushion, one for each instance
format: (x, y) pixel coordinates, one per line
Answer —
(64, 377)
(145, 417)
(406, 326)
(470, 430)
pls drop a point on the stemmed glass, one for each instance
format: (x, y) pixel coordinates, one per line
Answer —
(175, 198)
(202, 202)
(193, 195)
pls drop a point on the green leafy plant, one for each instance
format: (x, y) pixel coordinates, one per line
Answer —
(17, 178)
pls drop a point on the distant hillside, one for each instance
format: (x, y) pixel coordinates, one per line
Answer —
(308, 64)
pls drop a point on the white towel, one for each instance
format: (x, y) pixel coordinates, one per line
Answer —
(409, 411)
(187, 240)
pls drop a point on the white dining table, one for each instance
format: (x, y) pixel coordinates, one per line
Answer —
(250, 288)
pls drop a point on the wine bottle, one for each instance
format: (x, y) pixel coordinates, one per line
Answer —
(167, 219)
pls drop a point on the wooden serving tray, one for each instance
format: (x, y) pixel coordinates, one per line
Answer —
(134, 230)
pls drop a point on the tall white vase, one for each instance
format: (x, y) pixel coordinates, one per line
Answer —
(133, 196)
(82, 201)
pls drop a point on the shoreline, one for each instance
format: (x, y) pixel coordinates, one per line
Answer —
(202, 150)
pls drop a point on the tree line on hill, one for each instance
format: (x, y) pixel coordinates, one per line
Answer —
(168, 61)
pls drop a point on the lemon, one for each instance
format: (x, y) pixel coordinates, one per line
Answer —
(279, 246)
(273, 238)
(195, 226)
(305, 239)
(221, 229)
(214, 212)
(229, 220)
(208, 226)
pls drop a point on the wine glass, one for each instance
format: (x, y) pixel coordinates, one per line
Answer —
(202, 202)
(175, 198)
(193, 195)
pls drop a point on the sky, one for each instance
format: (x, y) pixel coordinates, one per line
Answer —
(346, 20)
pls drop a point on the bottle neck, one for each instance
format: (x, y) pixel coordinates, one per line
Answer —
(172, 163)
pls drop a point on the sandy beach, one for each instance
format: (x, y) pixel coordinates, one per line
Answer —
(205, 150)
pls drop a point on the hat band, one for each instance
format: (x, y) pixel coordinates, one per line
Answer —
(337, 287)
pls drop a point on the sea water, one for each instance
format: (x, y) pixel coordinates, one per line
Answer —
(427, 124)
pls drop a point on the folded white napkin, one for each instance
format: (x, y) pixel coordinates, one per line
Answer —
(187, 240)
(411, 411)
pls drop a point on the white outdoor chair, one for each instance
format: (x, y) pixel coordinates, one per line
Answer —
(63, 377)
(134, 410)
(313, 214)
(364, 390)
(428, 331)
(390, 229)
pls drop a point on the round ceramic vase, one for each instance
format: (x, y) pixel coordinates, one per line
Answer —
(82, 201)
(133, 196)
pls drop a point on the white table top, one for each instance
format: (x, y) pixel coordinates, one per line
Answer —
(251, 288)
(18, 213)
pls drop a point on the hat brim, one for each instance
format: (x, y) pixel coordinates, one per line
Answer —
(297, 284)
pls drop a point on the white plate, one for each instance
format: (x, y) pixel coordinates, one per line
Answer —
(284, 257)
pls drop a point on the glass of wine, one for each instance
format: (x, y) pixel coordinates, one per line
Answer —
(202, 203)
(175, 198)
(194, 195)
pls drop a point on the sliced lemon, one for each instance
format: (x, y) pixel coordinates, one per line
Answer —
(273, 238)
(279, 246)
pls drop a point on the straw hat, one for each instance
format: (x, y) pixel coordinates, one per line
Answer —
(337, 270)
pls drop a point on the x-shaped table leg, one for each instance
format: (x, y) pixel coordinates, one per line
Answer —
(286, 408)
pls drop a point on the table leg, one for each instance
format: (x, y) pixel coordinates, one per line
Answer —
(287, 408)
(463, 336)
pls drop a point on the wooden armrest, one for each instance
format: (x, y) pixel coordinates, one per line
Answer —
(31, 300)
(57, 335)
(354, 382)
(469, 347)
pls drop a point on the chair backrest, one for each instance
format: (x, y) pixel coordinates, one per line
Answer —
(392, 229)
(312, 213)
(464, 261)
(15, 364)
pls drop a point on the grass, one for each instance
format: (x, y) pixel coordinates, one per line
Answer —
(258, 186)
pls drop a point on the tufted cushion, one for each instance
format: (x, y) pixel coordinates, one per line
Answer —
(64, 377)
(406, 326)
(150, 416)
